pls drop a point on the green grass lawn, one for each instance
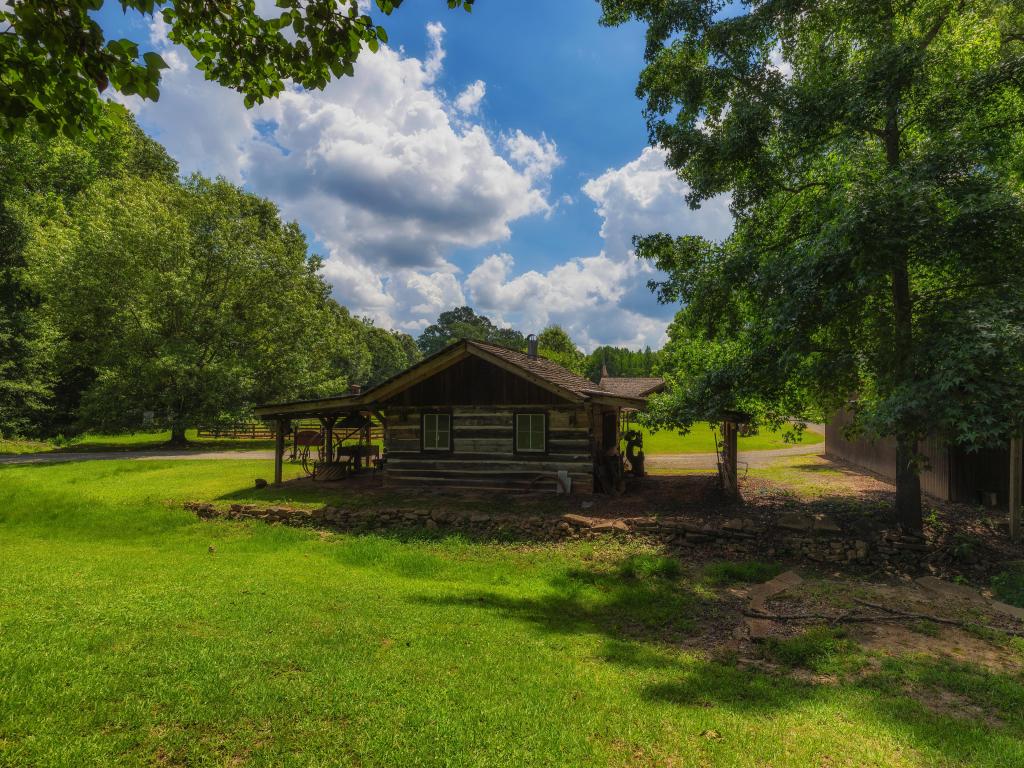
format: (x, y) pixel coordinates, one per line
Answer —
(133, 634)
(701, 439)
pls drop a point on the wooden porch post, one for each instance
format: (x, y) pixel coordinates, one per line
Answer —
(1015, 487)
(279, 452)
(328, 423)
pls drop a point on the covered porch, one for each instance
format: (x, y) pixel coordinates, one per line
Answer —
(333, 438)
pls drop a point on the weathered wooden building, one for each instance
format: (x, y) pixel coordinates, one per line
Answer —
(481, 416)
(951, 473)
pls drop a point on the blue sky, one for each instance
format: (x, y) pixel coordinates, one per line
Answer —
(497, 158)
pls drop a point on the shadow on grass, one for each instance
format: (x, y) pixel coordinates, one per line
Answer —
(608, 602)
(366, 491)
(828, 467)
(652, 625)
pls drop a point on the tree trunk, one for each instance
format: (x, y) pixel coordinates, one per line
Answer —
(178, 435)
(908, 485)
(908, 481)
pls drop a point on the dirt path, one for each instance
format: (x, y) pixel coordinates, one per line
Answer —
(152, 455)
(710, 460)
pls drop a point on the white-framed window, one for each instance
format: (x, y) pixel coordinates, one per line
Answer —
(437, 431)
(531, 429)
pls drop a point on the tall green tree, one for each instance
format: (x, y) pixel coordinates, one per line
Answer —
(193, 301)
(873, 153)
(390, 352)
(55, 61)
(465, 323)
(39, 386)
(555, 344)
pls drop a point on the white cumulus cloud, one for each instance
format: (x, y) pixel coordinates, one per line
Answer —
(538, 157)
(373, 165)
(391, 177)
(468, 102)
(603, 299)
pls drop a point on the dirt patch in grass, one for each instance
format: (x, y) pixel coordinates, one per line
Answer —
(843, 604)
(944, 702)
(950, 644)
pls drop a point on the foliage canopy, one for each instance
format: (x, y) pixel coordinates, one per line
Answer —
(465, 323)
(55, 61)
(873, 154)
(127, 295)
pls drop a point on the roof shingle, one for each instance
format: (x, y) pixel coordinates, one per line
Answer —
(632, 386)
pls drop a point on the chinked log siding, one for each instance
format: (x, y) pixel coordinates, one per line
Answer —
(483, 455)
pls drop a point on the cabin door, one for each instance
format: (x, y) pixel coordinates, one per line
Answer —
(609, 431)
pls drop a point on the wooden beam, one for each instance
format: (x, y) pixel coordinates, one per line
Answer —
(310, 408)
(1016, 469)
(279, 452)
(619, 401)
(328, 423)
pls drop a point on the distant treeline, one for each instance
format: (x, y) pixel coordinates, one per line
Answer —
(554, 343)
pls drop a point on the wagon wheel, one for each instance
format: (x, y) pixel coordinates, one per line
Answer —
(304, 458)
(305, 440)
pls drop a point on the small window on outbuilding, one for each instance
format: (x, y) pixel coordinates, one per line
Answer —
(531, 429)
(437, 431)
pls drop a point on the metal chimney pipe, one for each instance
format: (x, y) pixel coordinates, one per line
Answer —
(531, 345)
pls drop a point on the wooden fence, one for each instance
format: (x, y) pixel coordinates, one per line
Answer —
(265, 431)
(250, 431)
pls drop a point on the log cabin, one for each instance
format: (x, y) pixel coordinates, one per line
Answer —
(481, 416)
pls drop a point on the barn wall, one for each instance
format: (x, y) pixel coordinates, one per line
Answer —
(879, 456)
(482, 455)
(981, 472)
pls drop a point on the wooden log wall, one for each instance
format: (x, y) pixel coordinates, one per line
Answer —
(483, 456)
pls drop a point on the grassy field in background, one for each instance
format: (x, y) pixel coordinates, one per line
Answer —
(135, 441)
(132, 633)
(701, 439)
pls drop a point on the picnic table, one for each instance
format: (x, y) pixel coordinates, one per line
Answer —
(358, 455)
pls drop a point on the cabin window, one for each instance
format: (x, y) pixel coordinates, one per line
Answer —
(437, 431)
(531, 431)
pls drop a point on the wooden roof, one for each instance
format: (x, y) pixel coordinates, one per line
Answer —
(541, 371)
(632, 386)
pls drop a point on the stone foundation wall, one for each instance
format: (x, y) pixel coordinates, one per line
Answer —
(816, 540)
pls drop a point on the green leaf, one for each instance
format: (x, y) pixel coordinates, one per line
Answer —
(154, 61)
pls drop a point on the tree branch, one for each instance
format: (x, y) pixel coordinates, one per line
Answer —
(940, 22)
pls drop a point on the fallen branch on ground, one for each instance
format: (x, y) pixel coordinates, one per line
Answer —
(891, 614)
